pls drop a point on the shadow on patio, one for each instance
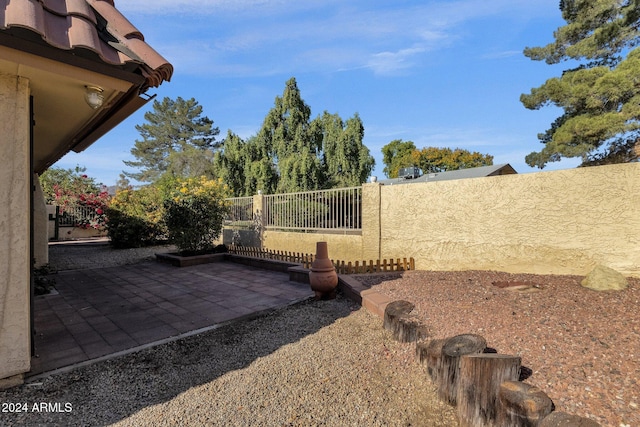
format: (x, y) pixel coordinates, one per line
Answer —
(100, 311)
(137, 335)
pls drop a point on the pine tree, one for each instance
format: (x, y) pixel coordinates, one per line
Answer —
(601, 96)
(176, 140)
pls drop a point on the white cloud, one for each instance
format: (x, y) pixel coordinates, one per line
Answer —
(503, 54)
(203, 59)
(388, 63)
(213, 7)
(241, 37)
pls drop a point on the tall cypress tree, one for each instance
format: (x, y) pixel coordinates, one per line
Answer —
(293, 153)
(346, 160)
(293, 143)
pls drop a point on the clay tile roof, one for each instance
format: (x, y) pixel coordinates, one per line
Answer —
(93, 25)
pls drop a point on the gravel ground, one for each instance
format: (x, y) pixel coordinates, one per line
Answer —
(92, 253)
(315, 363)
(331, 363)
(583, 346)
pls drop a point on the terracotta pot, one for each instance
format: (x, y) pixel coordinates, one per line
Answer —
(323, 277)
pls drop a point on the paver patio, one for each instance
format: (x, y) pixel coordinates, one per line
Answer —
(102, 311)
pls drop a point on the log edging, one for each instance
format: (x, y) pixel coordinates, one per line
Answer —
(537, 408)
(402, 323)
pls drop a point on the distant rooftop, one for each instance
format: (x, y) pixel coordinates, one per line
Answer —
(494, 170)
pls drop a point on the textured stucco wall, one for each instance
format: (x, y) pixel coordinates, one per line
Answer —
(549, 222)
(342, 247)
(73, 233)
(371, 217)
(14, 226)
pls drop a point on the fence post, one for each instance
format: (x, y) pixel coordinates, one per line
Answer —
(371, 231)
(57, 224)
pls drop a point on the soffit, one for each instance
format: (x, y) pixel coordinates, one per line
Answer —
(61, 46)
(59, 110)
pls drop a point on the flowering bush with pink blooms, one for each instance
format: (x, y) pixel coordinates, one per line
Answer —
(78, 197)
(89, 210)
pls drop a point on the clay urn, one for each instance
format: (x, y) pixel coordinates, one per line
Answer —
(323, 277)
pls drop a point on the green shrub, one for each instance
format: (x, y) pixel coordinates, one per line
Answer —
(136, 218)
(194, 213)
(43, 283)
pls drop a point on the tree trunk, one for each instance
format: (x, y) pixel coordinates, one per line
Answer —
(404, 326)
(478, 386)
(452, 350)
(523, 405)
(562, 419)
(431, 354)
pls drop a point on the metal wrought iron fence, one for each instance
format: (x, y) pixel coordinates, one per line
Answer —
(241, 212)
(72, 216)
(337, 209)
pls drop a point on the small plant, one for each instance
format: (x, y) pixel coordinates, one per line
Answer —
(194, 213)
(236, 240)
(257, 226)
(42, 282)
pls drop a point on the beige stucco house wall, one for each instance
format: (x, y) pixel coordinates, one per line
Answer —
(51, 55)
(14, 229)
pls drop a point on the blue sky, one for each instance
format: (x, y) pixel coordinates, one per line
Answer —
(439, 73)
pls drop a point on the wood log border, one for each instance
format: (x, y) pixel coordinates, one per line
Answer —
(481, 377)
(405, 326)
(485, 387)
(453, 349)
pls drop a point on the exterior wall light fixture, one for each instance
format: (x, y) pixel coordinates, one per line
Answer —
(94, 96)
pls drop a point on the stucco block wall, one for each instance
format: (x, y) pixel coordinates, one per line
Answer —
(559, 222)
(340, 246)
(371, 222)
(549, 222)
(14, 227)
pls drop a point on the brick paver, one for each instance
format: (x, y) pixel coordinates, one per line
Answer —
(98, 312)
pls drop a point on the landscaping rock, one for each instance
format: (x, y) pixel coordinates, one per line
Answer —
(562, 419)
(603, 278)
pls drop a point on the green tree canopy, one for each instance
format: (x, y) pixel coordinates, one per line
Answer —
(601, 97)
(346, 160)
(400, 154)
(231, 166)
(433, 159)
(292, 152)
(397, 155)
(293, 143)
(176, 140)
